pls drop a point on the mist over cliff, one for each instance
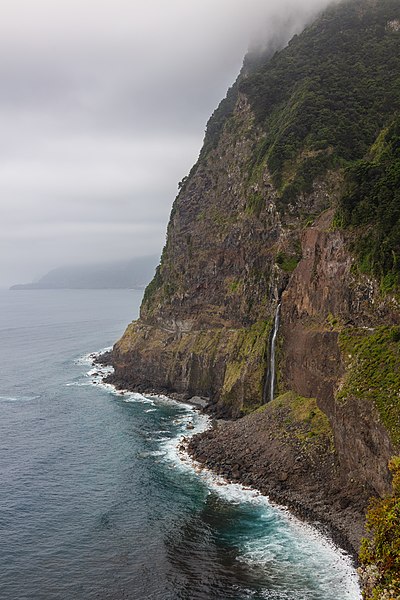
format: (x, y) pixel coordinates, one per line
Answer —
(86, 125)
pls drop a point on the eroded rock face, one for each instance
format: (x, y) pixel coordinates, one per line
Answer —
(227, 366)
(323, 283)
(206, 319)
(216, 266)
(311, 358)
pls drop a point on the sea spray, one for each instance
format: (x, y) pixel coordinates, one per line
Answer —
(267, 536)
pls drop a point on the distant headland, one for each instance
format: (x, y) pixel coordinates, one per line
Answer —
(128, 274)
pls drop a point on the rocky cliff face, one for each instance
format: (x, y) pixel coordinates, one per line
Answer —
(206, 318)
(322, 301)
(247, 231)
(287, 457)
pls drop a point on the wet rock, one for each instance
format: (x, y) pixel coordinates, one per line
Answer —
(199, 401)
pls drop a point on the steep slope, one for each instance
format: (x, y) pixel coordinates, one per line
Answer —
(268, 214)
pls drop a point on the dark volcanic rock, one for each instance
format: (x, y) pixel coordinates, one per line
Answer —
(279, 456)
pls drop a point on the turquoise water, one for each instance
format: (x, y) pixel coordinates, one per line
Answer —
(95, 499)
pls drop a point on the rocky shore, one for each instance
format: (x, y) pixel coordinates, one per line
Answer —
(284, 459)
(286, 451)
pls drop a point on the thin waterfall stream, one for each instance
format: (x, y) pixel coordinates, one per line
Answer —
(272, 352)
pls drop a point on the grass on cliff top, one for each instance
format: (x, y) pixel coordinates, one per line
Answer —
(373, 372)
(380, 554)
(300, 417)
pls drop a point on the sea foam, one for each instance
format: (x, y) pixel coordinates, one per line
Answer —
(290, 543)
(18, 398)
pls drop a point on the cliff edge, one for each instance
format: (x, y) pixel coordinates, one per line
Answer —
(271, 216)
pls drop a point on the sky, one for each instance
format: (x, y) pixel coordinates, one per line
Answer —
(103, 108)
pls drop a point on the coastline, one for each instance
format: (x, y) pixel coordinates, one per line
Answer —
(304, 508)
(219, 476)
(224, 450)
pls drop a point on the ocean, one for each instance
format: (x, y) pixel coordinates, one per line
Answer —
(97, 502)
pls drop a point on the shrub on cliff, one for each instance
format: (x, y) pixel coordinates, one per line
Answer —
(324, 98)
(371, 205)
(380, 555)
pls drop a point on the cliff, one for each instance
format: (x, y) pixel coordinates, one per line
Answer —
(271, 213)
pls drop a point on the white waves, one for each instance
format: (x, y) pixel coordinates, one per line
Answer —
(275, 540)
(310, 557)
(18, 398)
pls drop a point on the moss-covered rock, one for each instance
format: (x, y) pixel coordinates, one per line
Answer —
(226, 365)
(300, 418)
(372, 359)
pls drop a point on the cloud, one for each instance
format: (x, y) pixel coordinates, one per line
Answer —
(102, 111)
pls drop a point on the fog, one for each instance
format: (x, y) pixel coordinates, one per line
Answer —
(103, 106)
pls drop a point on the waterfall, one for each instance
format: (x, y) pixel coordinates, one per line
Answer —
(272, 352)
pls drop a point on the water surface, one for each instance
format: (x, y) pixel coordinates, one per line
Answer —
(94, 501)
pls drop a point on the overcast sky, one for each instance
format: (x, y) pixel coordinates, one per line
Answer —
(103, 106)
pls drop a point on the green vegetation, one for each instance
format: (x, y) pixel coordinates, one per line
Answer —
(218, 119)
(255, 203)
(333, 322)
(234, 286)
(301, 419)
(152, 287)
(380, 555)
(371, 207)
(373, 372)
(215, 215)
(286, 262)
(323, 99)
(246, 365)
